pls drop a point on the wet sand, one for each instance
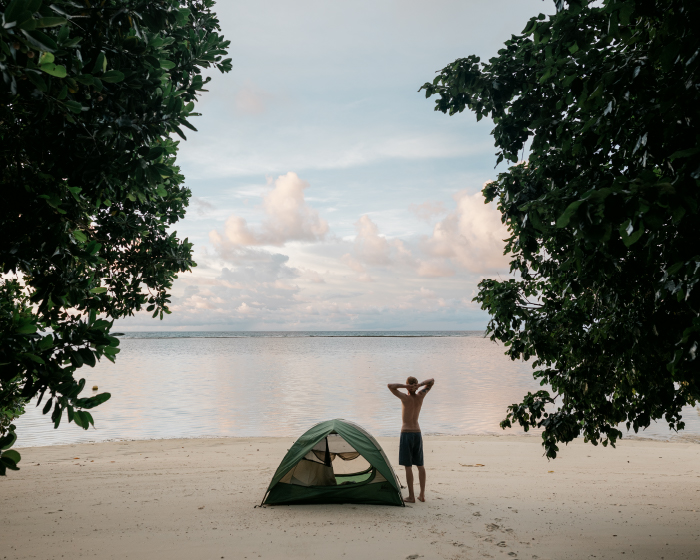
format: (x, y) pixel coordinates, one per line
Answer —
(195, 498)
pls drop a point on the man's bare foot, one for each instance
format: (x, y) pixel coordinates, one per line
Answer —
(410, 500)
(421, 498)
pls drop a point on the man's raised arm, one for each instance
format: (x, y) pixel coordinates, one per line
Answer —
(394, 388)
(427, 385)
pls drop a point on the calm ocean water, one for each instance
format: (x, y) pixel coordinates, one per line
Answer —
(200, 384)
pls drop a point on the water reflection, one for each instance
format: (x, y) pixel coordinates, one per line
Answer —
(281, 385)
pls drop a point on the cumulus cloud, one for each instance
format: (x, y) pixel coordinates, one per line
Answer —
(434, 269)
(255, 267)
(290, 218)
(311, 276)
(255, 281)
(369, 279)
(471, 236)
(287, 218)
(258, 284)
(374, 249)
(244, 308)
(426, 211)
(353, 263)
(371, 249)
(426, 293)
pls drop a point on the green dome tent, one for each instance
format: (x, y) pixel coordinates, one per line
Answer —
(335, 462)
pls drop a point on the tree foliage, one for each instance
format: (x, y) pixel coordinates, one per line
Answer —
(92, 95)
(603, 215)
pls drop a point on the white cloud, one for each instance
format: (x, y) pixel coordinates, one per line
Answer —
(244, 308)
(434, 269)
(370, 279)
(311, 276)
(258, 283)
(287, 218)
(426, 211)
(471, 236)
(371, 249)
(353, 263)
(256, 266)
(374, 249)
(201, 206)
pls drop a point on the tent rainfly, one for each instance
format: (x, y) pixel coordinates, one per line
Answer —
(335, 462)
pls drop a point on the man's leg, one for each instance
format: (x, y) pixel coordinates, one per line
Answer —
(409, 482)
(421, 481)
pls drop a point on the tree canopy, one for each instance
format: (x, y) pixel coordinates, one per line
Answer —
(92, 95)
(603, 215)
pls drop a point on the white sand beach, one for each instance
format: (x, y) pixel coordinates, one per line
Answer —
(196, 498)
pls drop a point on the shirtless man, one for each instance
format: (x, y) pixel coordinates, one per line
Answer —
(411, 445)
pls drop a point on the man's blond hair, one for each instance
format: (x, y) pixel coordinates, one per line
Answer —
(411, 381)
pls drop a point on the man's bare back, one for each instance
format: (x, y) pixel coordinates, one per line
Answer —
(410, 410)
(411, 444)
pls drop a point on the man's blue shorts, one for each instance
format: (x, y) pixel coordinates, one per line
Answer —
(411, 449)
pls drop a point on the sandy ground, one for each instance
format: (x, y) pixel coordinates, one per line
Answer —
(195, 498)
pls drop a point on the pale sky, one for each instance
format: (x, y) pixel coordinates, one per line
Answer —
(327, 193)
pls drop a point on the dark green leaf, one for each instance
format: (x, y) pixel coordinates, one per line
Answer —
(85, 79)
(51, 21)
(33, 357)
(37, 80)
(74, 106)
(675, 268)
(27, 22)
(8, 463)
(100, 64)
(112, 76)
(87, 418)
(97, 400)
(88, 356)
(8, 440)
(26, 328)
(12, 455)
(40, 40)
(14, 9)
(564, 219)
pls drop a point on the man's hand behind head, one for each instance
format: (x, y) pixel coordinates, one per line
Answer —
(427, 385)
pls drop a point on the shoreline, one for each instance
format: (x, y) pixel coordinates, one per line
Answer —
(677, 438)
(185, 498)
